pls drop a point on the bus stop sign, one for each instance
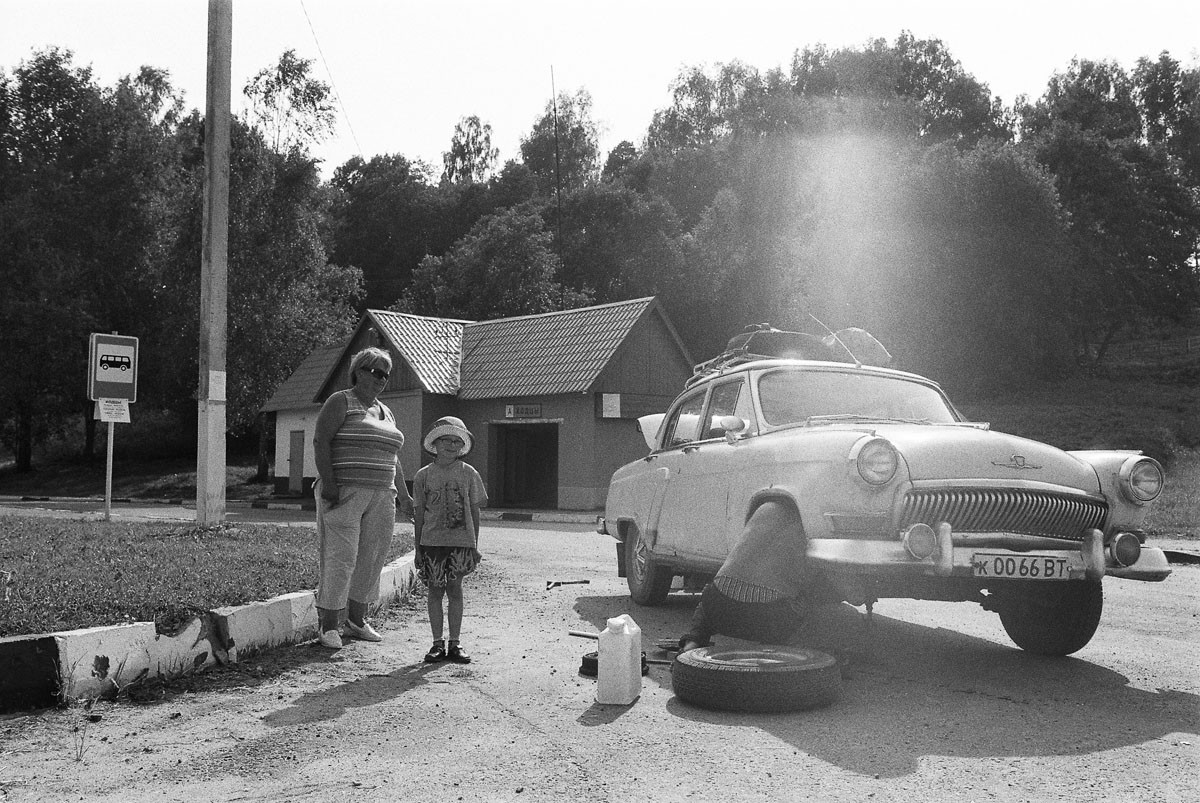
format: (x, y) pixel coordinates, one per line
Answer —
(113, 367)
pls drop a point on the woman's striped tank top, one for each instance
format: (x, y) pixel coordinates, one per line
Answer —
(365, 447)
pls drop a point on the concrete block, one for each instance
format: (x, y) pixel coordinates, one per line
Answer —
(192, 649)
(28, 673)
(396, 581)
(246, 629)
(303, 605)
(97, 661)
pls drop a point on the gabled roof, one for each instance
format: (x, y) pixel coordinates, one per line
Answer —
(551, 353)
(533, 355)
(431, 346)
(299, 388)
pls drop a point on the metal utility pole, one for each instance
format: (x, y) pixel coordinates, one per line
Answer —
(557, 159)
(214, 270)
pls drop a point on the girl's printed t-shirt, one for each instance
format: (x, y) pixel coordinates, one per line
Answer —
(447, 494)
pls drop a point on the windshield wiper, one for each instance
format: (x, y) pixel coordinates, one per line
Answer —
(836, 417)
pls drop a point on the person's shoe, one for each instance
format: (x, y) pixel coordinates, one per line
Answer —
(331, 639)
(436, 653)
(364, 632)
(458, 655)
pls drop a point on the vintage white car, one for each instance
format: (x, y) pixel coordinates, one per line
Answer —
(898, 496)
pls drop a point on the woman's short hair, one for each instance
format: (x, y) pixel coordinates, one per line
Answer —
(369, 356)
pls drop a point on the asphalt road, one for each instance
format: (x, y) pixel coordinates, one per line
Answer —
(937, 705)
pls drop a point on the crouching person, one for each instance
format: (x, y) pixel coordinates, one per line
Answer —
(758, 593)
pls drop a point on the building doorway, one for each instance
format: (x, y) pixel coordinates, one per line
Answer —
(296, 442)
(527, 465)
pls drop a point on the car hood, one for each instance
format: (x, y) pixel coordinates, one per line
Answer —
(951, 453)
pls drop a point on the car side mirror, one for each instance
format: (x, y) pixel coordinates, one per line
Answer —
(733, 425)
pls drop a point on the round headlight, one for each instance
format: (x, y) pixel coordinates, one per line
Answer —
(877, 461)
(1141, 479)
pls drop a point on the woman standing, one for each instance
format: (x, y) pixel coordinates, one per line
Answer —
(359, 480)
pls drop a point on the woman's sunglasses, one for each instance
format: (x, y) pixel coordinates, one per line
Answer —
(377, 373)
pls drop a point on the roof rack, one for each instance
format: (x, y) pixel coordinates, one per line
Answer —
(764, 342)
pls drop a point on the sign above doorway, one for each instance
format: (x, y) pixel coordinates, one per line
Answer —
(522, 411)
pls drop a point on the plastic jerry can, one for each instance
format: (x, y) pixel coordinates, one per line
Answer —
(619, 663)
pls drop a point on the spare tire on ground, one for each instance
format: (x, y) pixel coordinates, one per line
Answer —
(765, 678)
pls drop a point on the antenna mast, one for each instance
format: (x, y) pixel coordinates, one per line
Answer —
(833, 334)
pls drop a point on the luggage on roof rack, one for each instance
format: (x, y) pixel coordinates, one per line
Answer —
(763, 341)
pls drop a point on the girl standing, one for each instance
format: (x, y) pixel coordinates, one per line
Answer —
(447, 497)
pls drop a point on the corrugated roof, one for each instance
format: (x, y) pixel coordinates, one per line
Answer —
(301, 387)
(432, 346)
(539, 355)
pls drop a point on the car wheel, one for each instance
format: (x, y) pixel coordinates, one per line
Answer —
(1052, 619)
(648, 583)
(763, 679)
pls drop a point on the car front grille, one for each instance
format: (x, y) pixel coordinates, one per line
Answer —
(1005, 510)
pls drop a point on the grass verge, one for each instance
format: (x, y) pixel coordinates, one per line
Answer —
(163, 478)
(62, 574)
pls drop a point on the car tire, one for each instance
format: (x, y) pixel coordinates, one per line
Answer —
(648, 582)
(1054, 618)
(762, 679)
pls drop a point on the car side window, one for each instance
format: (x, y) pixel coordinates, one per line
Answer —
(684, 425)
(724, 400)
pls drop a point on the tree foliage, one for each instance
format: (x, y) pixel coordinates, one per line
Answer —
(880, 186)
(386, 218)
(100, 231)
(1134, 219)
(85, 173)
(471, 156)
(562, 150)
(291, 108)
(503, 267)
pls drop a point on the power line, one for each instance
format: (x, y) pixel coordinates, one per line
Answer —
(332, 83)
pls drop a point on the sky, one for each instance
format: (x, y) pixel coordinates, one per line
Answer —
(405, 72)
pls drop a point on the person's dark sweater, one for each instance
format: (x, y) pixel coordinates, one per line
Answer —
(757, 593)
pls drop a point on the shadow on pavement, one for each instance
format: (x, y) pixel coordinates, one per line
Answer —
(331, 703)
(913, 691)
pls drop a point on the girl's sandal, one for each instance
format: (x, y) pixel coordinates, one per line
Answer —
(436, 653)
(458, 655)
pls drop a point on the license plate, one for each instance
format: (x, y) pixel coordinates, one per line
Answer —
(1021, 567)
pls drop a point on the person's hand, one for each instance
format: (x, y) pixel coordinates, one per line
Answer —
(478, 555)
(330, 494)
(418, 554)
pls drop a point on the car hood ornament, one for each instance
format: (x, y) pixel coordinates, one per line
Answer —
(1016, 461)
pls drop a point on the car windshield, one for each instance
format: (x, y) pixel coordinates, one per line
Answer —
(795, 396)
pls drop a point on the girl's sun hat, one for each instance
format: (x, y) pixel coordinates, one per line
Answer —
(449, 425)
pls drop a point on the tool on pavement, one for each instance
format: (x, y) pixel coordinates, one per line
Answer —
(583, 634)
(556, 583)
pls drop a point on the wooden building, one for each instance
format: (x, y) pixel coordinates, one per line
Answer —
(551, 399)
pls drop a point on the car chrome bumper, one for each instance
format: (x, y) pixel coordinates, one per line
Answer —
(1089, 562)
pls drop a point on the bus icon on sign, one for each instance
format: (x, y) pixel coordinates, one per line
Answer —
(114, 361)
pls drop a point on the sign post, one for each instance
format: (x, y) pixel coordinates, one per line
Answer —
(112, 384)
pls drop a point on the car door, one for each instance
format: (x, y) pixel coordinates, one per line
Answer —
(694, 508)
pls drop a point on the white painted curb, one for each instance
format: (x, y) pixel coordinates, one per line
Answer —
(99, 661)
